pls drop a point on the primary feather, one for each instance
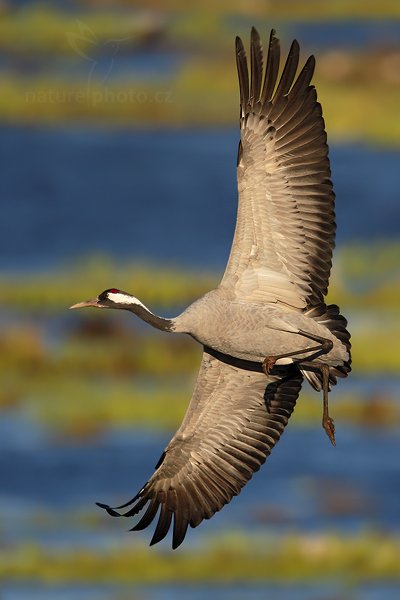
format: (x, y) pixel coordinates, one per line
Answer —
(234, 420)
(285, 230)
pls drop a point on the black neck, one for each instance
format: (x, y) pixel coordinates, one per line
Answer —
(151, 319)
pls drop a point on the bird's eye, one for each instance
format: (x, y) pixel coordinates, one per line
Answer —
(104, 295)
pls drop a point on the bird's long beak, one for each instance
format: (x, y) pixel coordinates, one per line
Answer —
(86, 303)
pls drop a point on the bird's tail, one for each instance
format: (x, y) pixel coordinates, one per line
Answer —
(330, 317)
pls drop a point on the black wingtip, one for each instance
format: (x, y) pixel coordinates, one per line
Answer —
(153, 542)
(176, 545)
(131, 501)
(273, 39)
(295, 46)
(180, 528)
(309, 65)
(238, 44)
(272, 68)
(163, 525)
(107, 508)
(311, 61)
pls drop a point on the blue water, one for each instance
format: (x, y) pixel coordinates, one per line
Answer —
(306, 484)
(347, 34)
(220, 592)
(321, 35)
(170, 197)
(166, 197)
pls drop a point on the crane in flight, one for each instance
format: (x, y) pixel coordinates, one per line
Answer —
(266, 327)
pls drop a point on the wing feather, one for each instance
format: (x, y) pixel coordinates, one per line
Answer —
(272, 68)
(256, 65)
(225, 437)
(289, 71)
(243, 74)
(285, 230)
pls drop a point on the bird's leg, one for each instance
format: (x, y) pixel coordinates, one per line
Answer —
(327, 421)
(324, 346)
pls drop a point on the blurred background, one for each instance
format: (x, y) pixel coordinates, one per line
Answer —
(119, 132)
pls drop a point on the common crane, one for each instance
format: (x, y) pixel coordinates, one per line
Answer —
(266, 326)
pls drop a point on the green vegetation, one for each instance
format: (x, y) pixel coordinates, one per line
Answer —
(363, 277)
(289, 10)
(119, 379)
(43, 30)
(98, 374)
(85, 409)
(236, 557)
(352, 109)
(360, 92)
(49, 291)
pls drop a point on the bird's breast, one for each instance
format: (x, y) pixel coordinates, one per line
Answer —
(234, 328)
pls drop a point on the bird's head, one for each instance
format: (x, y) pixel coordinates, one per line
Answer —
(112, 298)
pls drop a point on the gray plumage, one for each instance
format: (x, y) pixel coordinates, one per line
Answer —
(285, 231)
(233, 421)
(260, 327)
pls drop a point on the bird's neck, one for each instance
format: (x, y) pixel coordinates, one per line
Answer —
(134, 305)
(154, 320)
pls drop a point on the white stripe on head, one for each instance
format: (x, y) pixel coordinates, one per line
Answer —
(120, 298)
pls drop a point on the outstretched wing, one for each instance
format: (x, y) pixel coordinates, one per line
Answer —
(285, 230)
(234, 420)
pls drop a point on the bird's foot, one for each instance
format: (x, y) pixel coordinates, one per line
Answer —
(268, 364)
(329, 426)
